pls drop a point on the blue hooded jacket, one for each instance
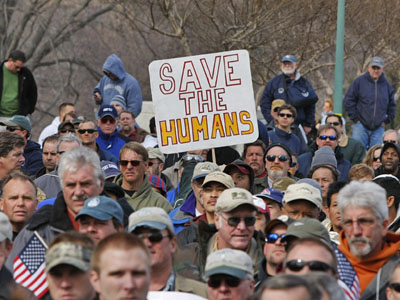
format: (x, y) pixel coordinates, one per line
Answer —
(126, 86)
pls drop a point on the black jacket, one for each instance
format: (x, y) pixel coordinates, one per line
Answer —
(27, 90)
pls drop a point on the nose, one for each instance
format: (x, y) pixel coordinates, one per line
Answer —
(128, 282)
(357, 230)
(241, 225)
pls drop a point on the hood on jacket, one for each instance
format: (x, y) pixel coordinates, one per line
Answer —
(114, 65)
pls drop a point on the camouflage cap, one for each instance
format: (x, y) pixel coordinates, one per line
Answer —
(203, 168)
(69, 254)
(282, 183)
(221, 177)
(232, 198)
(227, 261)
(5, 228)
(150, 217)
(155, 153)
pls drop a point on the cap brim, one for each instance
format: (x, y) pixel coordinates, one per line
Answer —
(269, 198)
(100, 215)
(77, 263)
(149, 224)
(8, 123)
(227, 271)
(107, 114)
(272, 224)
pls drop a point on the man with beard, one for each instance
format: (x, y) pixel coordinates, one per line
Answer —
(295, 90)
(278, 160)
(253, 154)
(128, 127)
(365, 240)
(390, 160)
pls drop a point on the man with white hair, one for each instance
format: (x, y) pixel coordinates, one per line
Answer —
(365, 240)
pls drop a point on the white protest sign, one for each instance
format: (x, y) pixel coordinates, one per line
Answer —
(203, 101)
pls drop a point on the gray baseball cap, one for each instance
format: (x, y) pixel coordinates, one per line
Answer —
(150, 217)
(203, 168)
(5, 228)
(376, 61)
(155, 153)
(70, 254)
(305, 228)
(227, 261)
(233, 198)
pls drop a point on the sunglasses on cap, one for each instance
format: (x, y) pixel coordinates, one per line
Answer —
(153, 237)
(325, 137)
(216, 281)
(273, 237)
(395, 286)
(134, 163)
(272, 157)
(234, 221)
(91, 131)
(296, 265)
(67, 130)
(12, 128)
(285, 115)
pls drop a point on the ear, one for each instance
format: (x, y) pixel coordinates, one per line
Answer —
(94, 279)
(1, 204)
(216, 220)
(96, 134)
(385, 225)
(390, 201)
(173, 244)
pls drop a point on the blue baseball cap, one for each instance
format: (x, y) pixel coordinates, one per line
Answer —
(20, 121)
(272, 194)
(107, 110)
(102, 208)
(376, 61)
(289, 58)
(109, 168)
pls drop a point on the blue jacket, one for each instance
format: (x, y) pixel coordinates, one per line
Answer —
(277, 135)
(301, 96)
(33, 158)
(183, 214)
(111, 142)
(343, 165)
(126, 86)
(263, 133)
(370, 102)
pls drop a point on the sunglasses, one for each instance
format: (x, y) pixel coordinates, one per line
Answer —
(297, 265)
(193, 158)
(12, 128)
(82, 131)
(272, 157)
(395, 286)
(334, 123)
(134, 163)
(107, 120)
(67, 130)
(286, 115)
(273, 237)
(234, 221)
(325, 137)
(216, 281)
(150, 163)
(390, 141)
(376, 158)
(153, 237)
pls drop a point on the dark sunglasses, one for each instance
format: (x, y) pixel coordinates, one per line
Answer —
(13, 128)
(376, 158)
(107, 120)
(134, 163)
(272, 157)
(67, 130)
(153, 237)
(325, 137)
(91, 131)
(395, 286)
(234, 221)
(390, 141)
(273, 237)
(297, 265)
(216, 281)
(334, 123)
(150, 163)
(286, 115)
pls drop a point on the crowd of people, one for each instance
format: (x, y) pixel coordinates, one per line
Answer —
(94, 209)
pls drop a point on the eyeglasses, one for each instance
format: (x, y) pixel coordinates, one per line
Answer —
(150, 163)
(13, 128)
(192, 157)
(390, 141)
(286, 115)
(234, 221)
(134, 163)
(153, 237)
(297, 265)
(325, 137)
(67, 130)
(107, 120)
(273, 237)
(90, 131)
(376, 158)
(334, 123)
(362, 222)
(395, 286)
(272, 157)
(216, 281)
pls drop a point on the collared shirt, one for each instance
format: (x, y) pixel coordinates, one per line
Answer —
(170, 285)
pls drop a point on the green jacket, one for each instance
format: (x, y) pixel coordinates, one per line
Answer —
(145, 196)
(352, 149)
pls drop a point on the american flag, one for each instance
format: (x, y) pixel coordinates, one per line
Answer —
(29, 267)
(348, 279)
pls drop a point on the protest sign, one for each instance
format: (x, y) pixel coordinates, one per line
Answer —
(203, 101)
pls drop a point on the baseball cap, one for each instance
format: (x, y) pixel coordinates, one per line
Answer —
(102, 208)
(203, 168)
(303, 191)
(277, 103)
(109, 168)
(262, 207)
(70, 254)
(227, 261)
(389, 145)
(155, 153)
(307, 227)
(5, 228)
(233, 198)
(269, 193)
(221, 177)
(376, 61)
(107, 110)
(282, 183)
(289, 58)
(281, 220)
(150, 217)
(65, 123)
(79, 119)
(18, 120)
